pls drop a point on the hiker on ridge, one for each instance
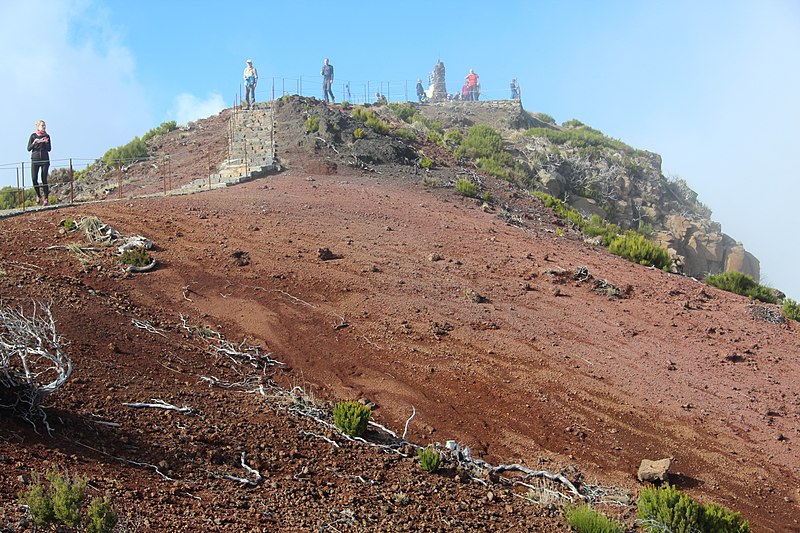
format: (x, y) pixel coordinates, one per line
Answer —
(39, 146)
(327, 81)
(472, 83)
(514, 89)
(421, 91)
(250, 82)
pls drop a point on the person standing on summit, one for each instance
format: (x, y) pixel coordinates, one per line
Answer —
(250, 82)
(39, 146)
(327, 81)
(473, 85)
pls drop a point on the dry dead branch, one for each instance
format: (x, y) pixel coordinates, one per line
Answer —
(160, 404)
(147, 326)
(244, 481)
(32, 361)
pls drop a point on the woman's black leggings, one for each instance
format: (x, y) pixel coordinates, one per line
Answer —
(45, 166)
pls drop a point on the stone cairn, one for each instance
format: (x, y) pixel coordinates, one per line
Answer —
(439, 86)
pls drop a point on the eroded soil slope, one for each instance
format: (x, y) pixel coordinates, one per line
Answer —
(430, 301)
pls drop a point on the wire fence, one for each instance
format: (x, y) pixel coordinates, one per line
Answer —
(167, 174)
(369, 91)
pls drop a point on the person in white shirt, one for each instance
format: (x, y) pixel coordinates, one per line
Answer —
(250, 82)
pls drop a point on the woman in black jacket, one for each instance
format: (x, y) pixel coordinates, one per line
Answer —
(39, 146)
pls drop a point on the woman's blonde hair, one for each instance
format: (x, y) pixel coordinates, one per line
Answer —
(39, 123)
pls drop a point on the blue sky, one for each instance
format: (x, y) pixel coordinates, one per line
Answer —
(712, 86)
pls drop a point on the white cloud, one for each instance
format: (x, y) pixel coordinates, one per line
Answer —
(189, 107)
(65, 64)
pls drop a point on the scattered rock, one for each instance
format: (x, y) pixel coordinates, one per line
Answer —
(654, 471)
(240, 258)
(435, 257)
(326, 255)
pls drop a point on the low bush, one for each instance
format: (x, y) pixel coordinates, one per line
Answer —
(466, 188)
(351, 418)
(406, 134)
(427, 125)
(404, 111)
(453, 138)
(561, 209)
(668, 509)
(584, 519)
(635, 247)
(137, 257)
(791, 309)
(581, 137)
(481, 141)
(165, 127)
(312, 124)
(426, 162)
(358, 133)
(740, 283)
(133, 151)
(544, 117)
(429, 459)
(572, 123)
(101, 516)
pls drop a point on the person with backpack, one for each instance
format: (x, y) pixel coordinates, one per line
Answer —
(39, 146)
(327, 81)
(514, 89)
(250, 82)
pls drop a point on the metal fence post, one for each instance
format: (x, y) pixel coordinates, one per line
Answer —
(71, 182)
(119, 179)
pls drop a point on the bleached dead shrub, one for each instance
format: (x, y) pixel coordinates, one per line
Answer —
(32, 360)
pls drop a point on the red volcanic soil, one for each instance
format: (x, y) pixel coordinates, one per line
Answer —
(431, 302)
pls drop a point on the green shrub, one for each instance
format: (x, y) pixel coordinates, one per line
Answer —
(67, 496)
(369, 118)
(481, 141)
(544, 117)
(39, 502)
(378, 125)
(436, 137)
(668, 509)
(351, 418)
(426, 162)
(429, 459)
(134, 150)
(359, 113)
(466, 188)
(404, 111)
(561, 209)
(453, 138)
(584, 519)
(358, 133)
(487, 197)
(312, 124)
(135, 257)
(597, 226)
(740, 283)
(572, 123)
(101, 517)
(165, 127)
(406, 134)
(581, 137)
(635, 247)
(427, 125)
(791, 309)
(345, 103)
(718, 519)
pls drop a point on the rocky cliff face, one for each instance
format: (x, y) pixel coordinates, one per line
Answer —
(603, 176)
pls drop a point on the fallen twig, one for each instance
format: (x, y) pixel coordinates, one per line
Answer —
(161, 404)
(147, 326)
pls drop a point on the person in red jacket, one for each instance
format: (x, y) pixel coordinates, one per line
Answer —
(472, 83)
(39, 146)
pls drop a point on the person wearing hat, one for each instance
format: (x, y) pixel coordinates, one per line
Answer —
(250, 82)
